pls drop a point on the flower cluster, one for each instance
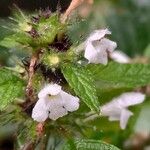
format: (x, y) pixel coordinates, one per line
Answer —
(53, 103)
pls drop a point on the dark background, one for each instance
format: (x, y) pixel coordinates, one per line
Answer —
(31, 5)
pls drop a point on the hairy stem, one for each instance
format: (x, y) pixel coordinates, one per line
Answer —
(33, 62)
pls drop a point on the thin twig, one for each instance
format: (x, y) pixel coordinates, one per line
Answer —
(73, 5)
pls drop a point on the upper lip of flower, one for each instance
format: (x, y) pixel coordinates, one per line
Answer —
(52, 89)
(98, 35)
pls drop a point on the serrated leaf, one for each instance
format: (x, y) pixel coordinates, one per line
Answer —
(11, 87)
(116, 75)
(83, 144)
(81, 81)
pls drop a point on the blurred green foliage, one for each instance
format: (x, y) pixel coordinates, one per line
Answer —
(129, 22)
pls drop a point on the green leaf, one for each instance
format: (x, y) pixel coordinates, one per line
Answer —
(116, 75)
(9, 42)
(83, 144)
(11, 87)
(81, 81)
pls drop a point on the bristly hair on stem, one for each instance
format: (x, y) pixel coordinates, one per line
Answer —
(33, 63)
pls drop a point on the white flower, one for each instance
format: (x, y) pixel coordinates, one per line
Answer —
(97, 47)
(117, 108)
(119, 57)
(53, 103)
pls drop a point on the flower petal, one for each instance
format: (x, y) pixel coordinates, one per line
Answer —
(39, 112)
(129, 99)
(110, 110)
(96, 53)
(90, 52)
(50, 89)
(109, 45)
(98, 34)
(102, 58)
(57, 113)
(55, 101)
(71, 102)
(119, 57)
(125, 115)
(125, 100)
